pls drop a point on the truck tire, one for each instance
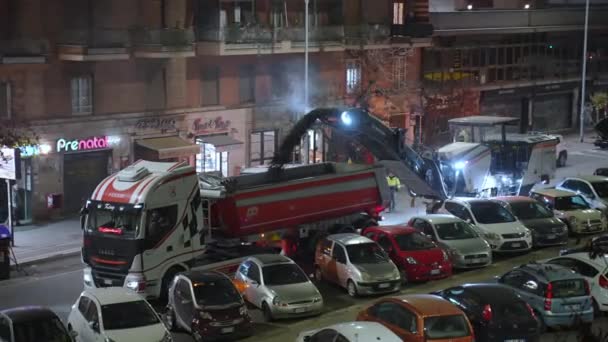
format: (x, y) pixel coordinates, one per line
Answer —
(167, 278)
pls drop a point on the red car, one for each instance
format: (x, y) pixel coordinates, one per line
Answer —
(417, 256)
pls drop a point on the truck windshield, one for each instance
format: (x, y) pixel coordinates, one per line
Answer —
(114, 219)
(570, 203)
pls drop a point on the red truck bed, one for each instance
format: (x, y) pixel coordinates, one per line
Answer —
(258, 203)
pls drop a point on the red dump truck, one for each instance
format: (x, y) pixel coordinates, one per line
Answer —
(152, 220)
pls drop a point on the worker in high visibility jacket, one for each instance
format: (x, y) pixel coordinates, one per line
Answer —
(393, 184)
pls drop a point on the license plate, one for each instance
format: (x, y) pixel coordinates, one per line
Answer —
(300, 310)
(435, 272)
(384, 285)
(551, 236)
(574, 307)
(516, 245)
(476, 261)
(227, 330)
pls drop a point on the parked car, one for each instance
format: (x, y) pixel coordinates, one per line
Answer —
(464, 245)
(278, 286)
(595, 272)
(418, 318)
(572, 209)
(350, 332)
(32, 324)
(496, 312)
(115, 314)
(594, 190)
(208, 306)
(416, 255)
(559, 296)
(547, 230)
(498, 226)
(356, 263)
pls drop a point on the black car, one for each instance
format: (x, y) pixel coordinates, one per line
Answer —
(495, 311)
(208, 305)
(32, 324)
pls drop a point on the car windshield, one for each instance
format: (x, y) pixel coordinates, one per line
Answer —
(50, 330)
(601, 188)
(571, 203)
(366, 253)
(455, 231)
(413, 241)
(118, 219)
(530, 210)
(568, 288)
(446, 327)
(283, 274)
(217, 292)
(128, 315)
(490, 213)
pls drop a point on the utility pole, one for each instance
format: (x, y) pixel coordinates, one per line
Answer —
(584, 75)
(306, 56)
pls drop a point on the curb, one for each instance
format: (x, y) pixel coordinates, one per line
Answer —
(47, 258)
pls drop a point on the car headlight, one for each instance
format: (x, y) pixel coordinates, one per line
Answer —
(528, 233)
(573, 221)
(205, 315)
(445, 256)
(365, 276)
(243, 310)
(317, 299)
(167, 337)
(276, 301)
(492, 236)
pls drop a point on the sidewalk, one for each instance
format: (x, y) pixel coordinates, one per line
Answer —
(35, 243)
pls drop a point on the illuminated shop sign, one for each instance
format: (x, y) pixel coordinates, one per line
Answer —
(93, 143)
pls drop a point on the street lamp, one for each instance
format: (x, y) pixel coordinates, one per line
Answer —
(306, 56)
(584, 75)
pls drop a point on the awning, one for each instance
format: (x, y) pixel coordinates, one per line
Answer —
(221, 142)
(170, 147)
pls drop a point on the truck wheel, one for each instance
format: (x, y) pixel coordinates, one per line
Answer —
(164, 285)
(561, 160)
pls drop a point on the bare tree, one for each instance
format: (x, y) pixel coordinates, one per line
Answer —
(15, 134)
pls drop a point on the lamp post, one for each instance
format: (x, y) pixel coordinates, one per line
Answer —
(584, 75)
(306, 56)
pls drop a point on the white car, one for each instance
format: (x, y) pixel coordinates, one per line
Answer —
(594, 190)
(498, 226)
(115, 314)
(595, 271)
(350, 332)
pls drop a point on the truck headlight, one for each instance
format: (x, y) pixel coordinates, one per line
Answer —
(136, 283)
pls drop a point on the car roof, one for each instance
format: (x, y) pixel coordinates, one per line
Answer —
(599, 262)
(429, 305)
(113, 295)
(203, 276)
(512, 199)
(495, 293)
(394, 230)
(349, 238)
(28, 313)
(590, 178)
(554, 192)
(550, 272)
(439, 218)
(364, 331)
(269, 259)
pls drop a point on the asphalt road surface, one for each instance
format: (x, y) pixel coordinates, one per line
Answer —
(57, 284)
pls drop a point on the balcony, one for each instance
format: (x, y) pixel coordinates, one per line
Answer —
(380, 36)
(94, 45)
(23, 51)
(516, 21)
(163, 43)
(256, 39)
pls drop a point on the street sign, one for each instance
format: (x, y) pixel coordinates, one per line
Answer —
(8, 163)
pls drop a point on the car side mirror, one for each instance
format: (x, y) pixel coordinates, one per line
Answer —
(531, 285)
(94, 325)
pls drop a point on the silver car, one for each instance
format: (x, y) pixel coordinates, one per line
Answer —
(278, 286)
(462, 242)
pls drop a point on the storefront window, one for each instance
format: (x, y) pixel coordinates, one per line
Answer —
(211, 160)
(262, 147)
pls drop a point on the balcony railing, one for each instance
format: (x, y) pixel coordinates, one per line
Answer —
(163, 37)
(255, 34)
(23, 48)
(413, 30)
(455, 22)
(367, 34)
(96, 38)
(315, 34)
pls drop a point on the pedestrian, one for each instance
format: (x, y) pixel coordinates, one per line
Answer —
(393, 184)
(15, 204)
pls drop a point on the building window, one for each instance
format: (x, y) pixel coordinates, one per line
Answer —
(210, 86)
(82, 95)
(210, 159)
(398, 10)
(400, 71)
(262, 147)
(247, 84)
(353, 76)
(279, 83)
(5, 100)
